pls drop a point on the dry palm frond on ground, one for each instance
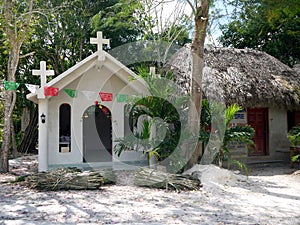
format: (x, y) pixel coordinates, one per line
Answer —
(146, 177)
(69, 179)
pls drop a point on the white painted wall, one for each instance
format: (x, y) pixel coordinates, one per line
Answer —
(97, 79)
(278, 131)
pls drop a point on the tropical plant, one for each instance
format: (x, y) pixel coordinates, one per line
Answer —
(142, 141)
(242, 134)
(162, 111)
(294, 137)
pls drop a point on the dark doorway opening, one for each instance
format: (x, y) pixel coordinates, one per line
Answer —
(65, 128)
(293, 118)
(97, 134)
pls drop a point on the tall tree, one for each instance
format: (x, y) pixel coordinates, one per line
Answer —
(168, 29)
(62, 34)
(272, 26)
(119, 21)
(16, 18)
(201, 15)
(142, 24)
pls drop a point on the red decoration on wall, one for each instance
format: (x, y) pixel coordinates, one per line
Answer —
(50, 91)
(106, 97)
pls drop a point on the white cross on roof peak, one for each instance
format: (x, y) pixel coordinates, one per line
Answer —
(153, 72)
(43, 72)
(100, 42)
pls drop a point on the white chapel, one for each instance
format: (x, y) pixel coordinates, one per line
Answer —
(81, 112)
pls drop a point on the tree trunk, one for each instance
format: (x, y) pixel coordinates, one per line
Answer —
(16, 29)
(13, 140)
(197, 50)
(10, 100)
(28, 144)
(221, 157)
(25, 119)
(6, 134)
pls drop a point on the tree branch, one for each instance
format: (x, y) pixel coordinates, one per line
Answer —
(26, 55)
(27, 21)
(191, 4)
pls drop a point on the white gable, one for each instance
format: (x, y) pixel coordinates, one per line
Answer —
(111, 63)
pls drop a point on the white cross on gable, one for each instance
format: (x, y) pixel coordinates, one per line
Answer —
(43, 72)
(153, 72)
(100, 42)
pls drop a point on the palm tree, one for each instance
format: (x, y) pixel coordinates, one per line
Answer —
(242, 134)
(162, 110)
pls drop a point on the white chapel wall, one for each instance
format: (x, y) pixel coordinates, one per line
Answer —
(95, 80)
(54, 156)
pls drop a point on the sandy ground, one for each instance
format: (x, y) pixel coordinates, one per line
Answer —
(271, 195)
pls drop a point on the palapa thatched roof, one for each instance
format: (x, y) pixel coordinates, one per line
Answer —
(247, 77)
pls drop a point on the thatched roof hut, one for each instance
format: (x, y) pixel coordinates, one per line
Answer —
(247, 77)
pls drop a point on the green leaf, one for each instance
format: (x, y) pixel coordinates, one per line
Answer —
(295, 158)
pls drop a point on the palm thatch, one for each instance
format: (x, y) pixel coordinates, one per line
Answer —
(247, 77)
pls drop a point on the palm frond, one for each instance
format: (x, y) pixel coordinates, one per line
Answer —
(230, 112)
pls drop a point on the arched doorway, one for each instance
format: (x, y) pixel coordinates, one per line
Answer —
(97, 134)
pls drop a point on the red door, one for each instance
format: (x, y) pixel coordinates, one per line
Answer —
(297, 118)
(258, 119)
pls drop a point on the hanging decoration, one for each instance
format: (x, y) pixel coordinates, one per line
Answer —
(104, 110)
(50, 91)
(32, 88)
(11, 86)
(106, 97)
(122, 98)
(90, 95)
(72, 93)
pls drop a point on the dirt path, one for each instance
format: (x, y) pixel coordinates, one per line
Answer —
(270, 196)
